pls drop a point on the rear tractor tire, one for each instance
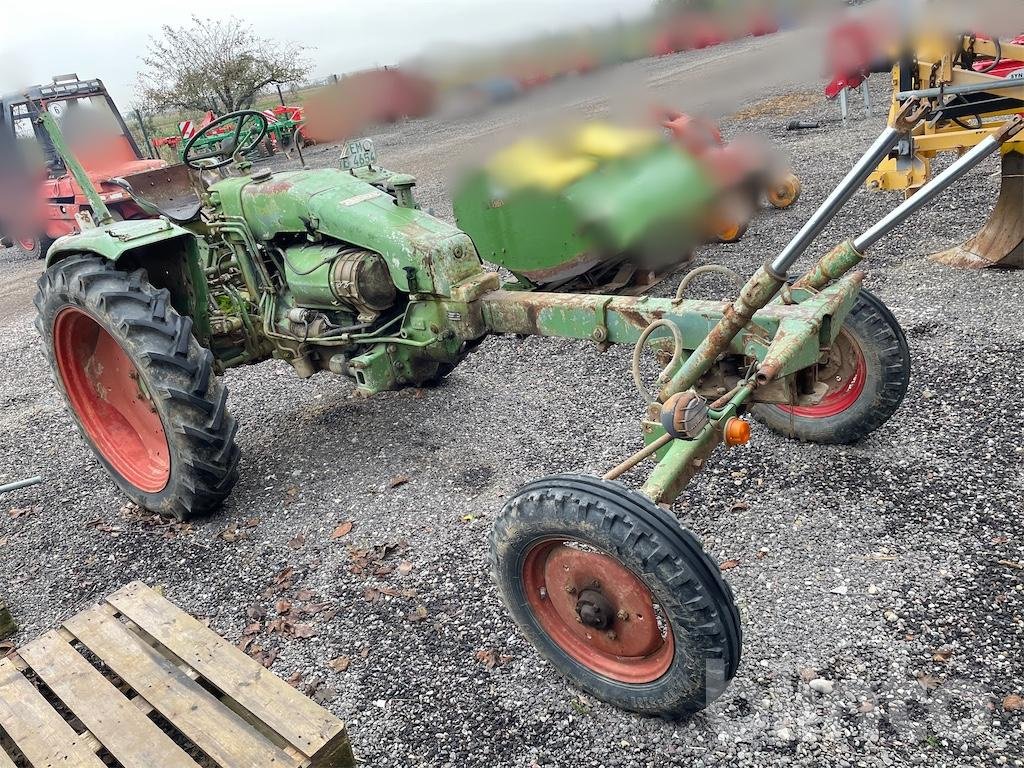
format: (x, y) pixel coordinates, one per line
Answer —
(140, 387)
(868, 373)
(618, 597)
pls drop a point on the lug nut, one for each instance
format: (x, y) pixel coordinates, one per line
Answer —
(610, 634)
(570, 589)
(595, 584)
(622, 616)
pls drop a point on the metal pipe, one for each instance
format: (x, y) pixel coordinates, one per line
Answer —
(954, 90)
(927, 193)
(100, 212)
(19, 484)
(835, 201)
(616, 472)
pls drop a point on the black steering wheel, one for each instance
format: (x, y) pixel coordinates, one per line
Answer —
(233, 144)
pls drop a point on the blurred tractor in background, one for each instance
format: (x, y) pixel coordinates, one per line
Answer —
(95, 129)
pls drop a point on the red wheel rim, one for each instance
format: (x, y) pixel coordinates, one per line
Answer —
(109, 399)
(636, 646)
(27, 244)
(846, 379)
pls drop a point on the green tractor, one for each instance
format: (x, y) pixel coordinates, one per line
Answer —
(337, 270)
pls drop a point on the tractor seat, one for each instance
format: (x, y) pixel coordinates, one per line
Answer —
(166, 192)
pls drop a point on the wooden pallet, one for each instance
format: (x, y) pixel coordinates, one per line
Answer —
(136, 680)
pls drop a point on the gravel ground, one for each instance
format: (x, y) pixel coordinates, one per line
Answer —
(884, 571)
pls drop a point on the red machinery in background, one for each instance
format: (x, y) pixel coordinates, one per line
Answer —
(102, 142)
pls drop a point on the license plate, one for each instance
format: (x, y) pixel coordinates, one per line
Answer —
(358, 154)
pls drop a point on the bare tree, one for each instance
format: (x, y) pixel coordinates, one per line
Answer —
(219, 65)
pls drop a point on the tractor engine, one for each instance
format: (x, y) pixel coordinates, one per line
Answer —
(339, 277)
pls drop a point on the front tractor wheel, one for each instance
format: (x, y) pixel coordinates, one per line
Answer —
(139, 385)
(618, 597)
(867, 373)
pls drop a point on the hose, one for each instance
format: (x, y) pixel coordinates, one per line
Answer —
(689, 278)
(638, 350)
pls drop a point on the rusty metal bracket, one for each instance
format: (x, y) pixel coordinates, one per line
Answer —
(600, 332)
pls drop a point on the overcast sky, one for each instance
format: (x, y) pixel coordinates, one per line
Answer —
(50, 37)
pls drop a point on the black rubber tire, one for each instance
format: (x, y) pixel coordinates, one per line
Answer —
(687, 584)
(887, 357)
(190, 400)
(41, 246)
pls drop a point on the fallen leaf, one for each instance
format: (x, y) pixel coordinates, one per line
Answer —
(397, 481)
(739, 506)
(255, 612)
(490, 658)
(929, 682)
(728, 565)
(302, 630)
(1013, 703)
(252, 522)
(297, 541)
(244, 643)
(371, 595)
(282, 606)
(942, 655)
(292, 490)
(339, 664)
(405, 567)
(295, 679)
(342, 530)
(252, 629)
(304, 594)
(417, 615)
(270, 658)
(17, 512)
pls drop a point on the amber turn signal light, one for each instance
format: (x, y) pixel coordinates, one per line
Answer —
(737, 432)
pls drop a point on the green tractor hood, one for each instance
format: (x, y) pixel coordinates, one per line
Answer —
(424, 255)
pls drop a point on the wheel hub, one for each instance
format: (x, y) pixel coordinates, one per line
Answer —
(594, 609)
(845, 373)
(598, 611)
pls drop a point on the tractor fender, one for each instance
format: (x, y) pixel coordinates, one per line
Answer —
(170, 254)
(112, 241)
